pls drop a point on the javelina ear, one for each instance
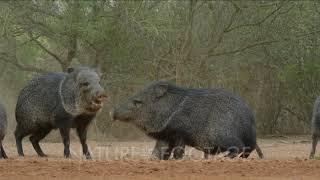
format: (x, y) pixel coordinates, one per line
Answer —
(161, 89)
(70, 70)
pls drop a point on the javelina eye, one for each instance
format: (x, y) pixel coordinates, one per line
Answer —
(85, 84)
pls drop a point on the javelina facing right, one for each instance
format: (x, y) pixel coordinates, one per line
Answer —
(211, 120)
(315, 127)
(3, 126)
(59, 100)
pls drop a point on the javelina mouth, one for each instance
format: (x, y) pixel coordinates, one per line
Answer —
(95, 106)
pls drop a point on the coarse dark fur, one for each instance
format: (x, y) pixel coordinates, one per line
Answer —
(3, 127)
(58, 100)
(211, 120)
(315, 129)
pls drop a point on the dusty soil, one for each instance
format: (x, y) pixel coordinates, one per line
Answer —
(285, 158)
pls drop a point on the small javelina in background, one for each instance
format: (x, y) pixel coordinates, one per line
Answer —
(315, 129)
(58, 100)
(3, 127)
(211, 120)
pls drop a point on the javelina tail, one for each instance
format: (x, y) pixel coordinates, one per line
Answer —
(260, 154)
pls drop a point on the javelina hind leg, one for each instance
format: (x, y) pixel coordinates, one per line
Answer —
(36, 137)
(233, 145)
(259, 152)
(20, 133)
(210, 151)
(246, 152)
(162, 150)
(82, 133)
(315, 139)
(178, 149)
(65, 134)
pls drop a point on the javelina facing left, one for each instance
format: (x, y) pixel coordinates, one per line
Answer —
(58, 100)
(211, 120)
(3, 127)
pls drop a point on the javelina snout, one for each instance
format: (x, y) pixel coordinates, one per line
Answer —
(92, 93)
(101, 96)
(97, 101)
(121, 114)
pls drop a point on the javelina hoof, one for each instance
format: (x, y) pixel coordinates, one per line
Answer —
(311, 156)
(88, 157)
(67, 153)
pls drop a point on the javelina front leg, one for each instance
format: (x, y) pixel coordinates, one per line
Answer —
(2, 152)
(65, 134)
(19, 134)
(315, 139)
(35, 139)
(82, 133)
(163, 150)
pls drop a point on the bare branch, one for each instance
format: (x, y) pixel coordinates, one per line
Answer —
(155, 4)
(316, 7)
(282, 13)
(23, 67)
(233, 16)
(262, 43)
(256, 23)
(56, 57)
(230, 23)
(298, 116)
(243, 48)
(72, 51)
(44, 12)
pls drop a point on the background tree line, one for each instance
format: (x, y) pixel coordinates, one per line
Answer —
(266, 51)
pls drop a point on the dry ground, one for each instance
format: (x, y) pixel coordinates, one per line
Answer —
(286, 158)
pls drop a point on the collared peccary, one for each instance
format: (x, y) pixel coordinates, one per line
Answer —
(211, 120)
(59, 100)
(3, 127)
(315, 127)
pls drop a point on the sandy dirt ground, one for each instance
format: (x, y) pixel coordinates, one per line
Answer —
(285, 158)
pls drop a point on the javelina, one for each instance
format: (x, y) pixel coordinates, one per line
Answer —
(3, 127)
(58, 100)
(315, 127)
(211, 120)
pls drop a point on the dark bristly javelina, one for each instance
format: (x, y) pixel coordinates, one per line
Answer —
(3, 127)
(211, 120)
(315, 127)
(58, 100)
